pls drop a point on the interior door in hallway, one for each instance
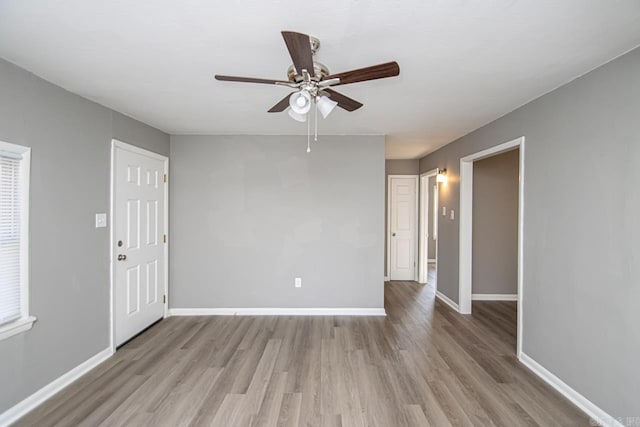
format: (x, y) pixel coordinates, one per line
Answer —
(139, 240)
(403, 227)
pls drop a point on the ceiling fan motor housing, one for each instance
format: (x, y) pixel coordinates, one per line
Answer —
(320, 72)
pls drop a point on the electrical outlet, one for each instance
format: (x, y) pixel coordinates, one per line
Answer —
(298, 282)
(453, 214)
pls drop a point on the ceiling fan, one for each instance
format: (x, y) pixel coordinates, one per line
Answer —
(313, 81)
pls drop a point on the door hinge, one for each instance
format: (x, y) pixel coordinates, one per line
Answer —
(164, 299)
(165, 177)
(164, 238)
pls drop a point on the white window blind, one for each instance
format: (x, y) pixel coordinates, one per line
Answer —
(10, 243)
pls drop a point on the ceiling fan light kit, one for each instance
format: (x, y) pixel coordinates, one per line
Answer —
(312, 81)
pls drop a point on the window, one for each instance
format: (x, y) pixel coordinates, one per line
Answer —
(14, 239)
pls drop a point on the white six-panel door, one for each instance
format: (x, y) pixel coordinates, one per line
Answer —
(138, 248)
(402, 228)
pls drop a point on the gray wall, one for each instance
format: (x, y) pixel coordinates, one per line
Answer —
(581, 229)
(250, 213)
(395, 167)
(70, 139)
(495, 224)
(431, 244)
(137, 133)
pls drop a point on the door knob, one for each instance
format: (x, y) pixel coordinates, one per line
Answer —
(122, 257)
(393, 234)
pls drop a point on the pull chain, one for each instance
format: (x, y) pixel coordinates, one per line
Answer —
(309, 133)
(316, 121)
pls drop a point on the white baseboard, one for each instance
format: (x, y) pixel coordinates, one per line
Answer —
(20, 409)
(386, 278)
(494, 297)
(431, 261)
(588, 407)
(277, 311)
(445, 299)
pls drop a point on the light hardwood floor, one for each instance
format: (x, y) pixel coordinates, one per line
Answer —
(422, 365)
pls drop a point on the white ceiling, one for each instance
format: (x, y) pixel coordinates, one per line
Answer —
(463, 63)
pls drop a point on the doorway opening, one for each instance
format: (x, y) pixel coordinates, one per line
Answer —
(428, 237)
(491, 232)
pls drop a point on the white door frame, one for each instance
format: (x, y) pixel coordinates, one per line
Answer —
(112, 266)
(423, 238)
(415, 227)
(466, 227)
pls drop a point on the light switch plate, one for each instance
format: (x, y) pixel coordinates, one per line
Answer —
(101, 220)
(444, 211)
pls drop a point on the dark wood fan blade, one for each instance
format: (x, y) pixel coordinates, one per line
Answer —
(343, 101)
(381, 71)
(248, 80)
(282, 105)
(299, 47)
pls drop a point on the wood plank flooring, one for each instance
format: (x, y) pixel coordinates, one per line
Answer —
(422, 365)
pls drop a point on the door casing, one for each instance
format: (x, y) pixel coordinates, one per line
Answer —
(465, 261)
(112, 238)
